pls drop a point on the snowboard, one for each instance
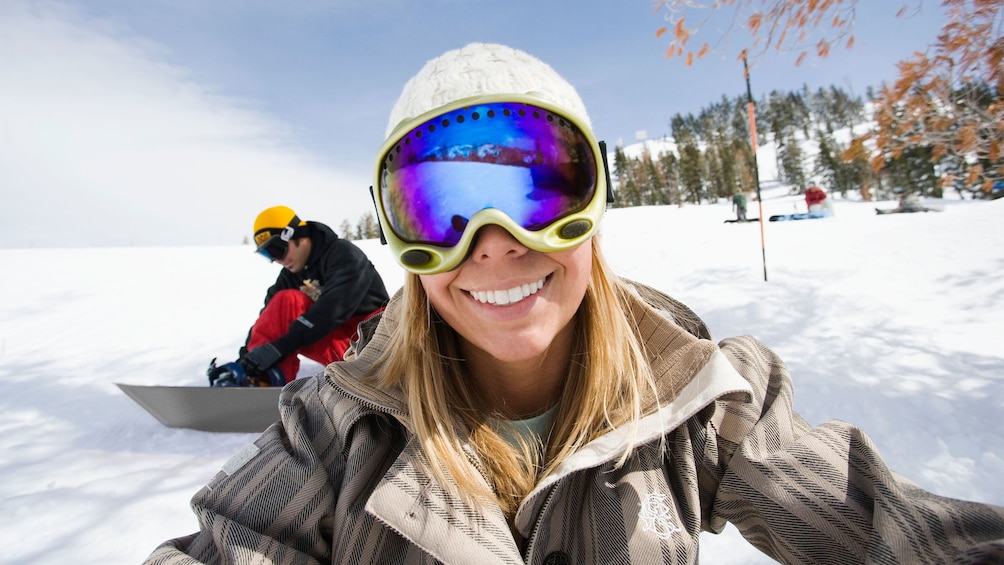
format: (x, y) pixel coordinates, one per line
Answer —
(209, 409)
(802, 216)
(747, 220)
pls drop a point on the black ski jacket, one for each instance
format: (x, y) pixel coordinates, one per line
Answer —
(350, 286)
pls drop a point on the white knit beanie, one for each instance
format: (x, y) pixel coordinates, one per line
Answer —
(479, 69)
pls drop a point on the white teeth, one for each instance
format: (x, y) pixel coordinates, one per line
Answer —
(511, 296)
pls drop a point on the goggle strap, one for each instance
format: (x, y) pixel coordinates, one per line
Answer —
(289, 230)
(606, 171)
(383, 238)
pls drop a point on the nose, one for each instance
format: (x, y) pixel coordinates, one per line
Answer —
(493, 243)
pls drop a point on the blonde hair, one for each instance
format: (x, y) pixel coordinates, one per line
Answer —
(607, 378)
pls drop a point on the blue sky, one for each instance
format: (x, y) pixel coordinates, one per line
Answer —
(172, 122)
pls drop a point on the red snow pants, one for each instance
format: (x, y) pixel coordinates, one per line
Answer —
(284, 308)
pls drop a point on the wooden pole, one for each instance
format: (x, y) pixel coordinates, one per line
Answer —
(756, 167)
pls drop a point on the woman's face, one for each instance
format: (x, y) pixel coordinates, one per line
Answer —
(509, 301)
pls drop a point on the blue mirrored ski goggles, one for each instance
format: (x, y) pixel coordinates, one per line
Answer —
(513, 161)
(273, 244)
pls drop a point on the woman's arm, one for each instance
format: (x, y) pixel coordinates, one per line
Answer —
(824, 494)
(272, 501)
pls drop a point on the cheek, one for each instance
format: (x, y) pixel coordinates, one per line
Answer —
(437, 288)
(578, 264)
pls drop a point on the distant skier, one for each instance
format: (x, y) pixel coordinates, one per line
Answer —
(739, 205)
(817, 201)
(909, 203)
(326, 288)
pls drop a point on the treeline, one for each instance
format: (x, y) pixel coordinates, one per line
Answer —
(709, 155)
(818, 137)
(366, 228)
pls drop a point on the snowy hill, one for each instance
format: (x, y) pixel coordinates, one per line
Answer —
(892, 322)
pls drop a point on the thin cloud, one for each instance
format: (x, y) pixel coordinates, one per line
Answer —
(103, 144)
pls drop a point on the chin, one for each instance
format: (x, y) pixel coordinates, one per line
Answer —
(514, 353)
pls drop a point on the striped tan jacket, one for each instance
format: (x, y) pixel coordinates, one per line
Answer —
(340, 478)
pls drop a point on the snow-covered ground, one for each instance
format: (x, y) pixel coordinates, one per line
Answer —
(894, 323)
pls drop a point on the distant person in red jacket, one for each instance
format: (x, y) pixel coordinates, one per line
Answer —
(815, 199)
(326, 287)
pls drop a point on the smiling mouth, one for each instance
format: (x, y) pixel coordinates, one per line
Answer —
(505, 297)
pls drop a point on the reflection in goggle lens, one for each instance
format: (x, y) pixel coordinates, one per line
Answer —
(529, 163)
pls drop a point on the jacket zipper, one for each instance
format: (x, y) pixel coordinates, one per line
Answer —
(366, 403)
(536, 527)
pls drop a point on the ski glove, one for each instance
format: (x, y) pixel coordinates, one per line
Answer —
(228, 374)
(260, 359)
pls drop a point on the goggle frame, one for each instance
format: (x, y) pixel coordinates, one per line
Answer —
(564, 232)
(280, 239)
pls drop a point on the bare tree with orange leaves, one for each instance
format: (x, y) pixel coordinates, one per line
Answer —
(949, 97)
(809, 26)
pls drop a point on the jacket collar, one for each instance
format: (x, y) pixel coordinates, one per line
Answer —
(444, 525)
(354, 376)
(717, 379)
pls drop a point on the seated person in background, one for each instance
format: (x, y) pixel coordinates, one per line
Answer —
(816, 200)
(327, 286)
(910, 202)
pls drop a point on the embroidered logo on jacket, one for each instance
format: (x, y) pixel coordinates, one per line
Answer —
(657, 516)
(311, 288)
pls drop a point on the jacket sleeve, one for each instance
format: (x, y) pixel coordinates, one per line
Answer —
(802, 494)
(348, 275)
(272, 502)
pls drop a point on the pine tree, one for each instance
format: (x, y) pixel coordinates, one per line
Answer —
(654, 181)
(631, 185)
(671, 172)
(631, 193)
(790, 156)
(367, 228)
(691, 176)
(691, 160)
(717, 121)
(346, 229)
(619, 176)
(840, 176)
(913, 172)
(746, 175)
